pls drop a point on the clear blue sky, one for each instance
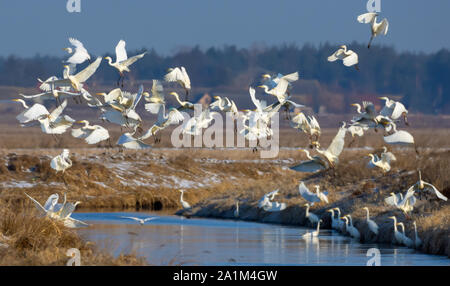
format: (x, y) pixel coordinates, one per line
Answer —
(29, 27)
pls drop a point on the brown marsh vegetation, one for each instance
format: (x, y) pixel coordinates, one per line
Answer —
(214, 180)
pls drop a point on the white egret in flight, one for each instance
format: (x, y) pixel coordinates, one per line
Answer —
(164, 120)
(349, 58)
(335, 149)
(184, 104)
(128, 141)
(310, 196)
(61, 162)
(57, 211)
(30, 113)
(384, 162)
(308, 125)
(140, 220)
(394, 109)
(92, 134)
(123, 63)
(75, 81)
(79, 56)
(376, 28)
(279, 91)
(423, 187)
(399, 137)
(180, 76)
(112, 97)
(55, 122)
(156, 99)
(314, 164)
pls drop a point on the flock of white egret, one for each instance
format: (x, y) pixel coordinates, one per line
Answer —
(119, 107)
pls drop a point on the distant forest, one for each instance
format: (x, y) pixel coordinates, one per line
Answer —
(422, 81)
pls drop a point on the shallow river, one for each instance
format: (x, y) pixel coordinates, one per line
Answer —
(173, 240)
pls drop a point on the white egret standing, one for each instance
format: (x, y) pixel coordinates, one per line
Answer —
(372, 224)
(406, 240)
(397, 234)
(350, 228)
(313, 218)
(417, 240)
(236, 210)
(185, 204)
(313, 233)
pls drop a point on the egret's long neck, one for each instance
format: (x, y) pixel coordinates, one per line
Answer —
(367, 210)
(395, 224)
(307, 154)
(332, 215)
(403, 228)
(109, 61)
(178, 99)
(181, 196)
(358, 108)
(266, 88)
(24, 104)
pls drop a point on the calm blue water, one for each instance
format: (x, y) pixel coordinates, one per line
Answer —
(176, 240)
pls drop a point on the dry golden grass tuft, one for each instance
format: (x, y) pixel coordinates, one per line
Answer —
(32, 240)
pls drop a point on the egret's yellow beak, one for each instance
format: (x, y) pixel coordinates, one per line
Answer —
(260, 86)
(14, 99)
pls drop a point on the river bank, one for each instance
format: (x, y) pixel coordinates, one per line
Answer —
(214, 180)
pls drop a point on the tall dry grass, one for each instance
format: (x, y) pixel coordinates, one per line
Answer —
(35, 241)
